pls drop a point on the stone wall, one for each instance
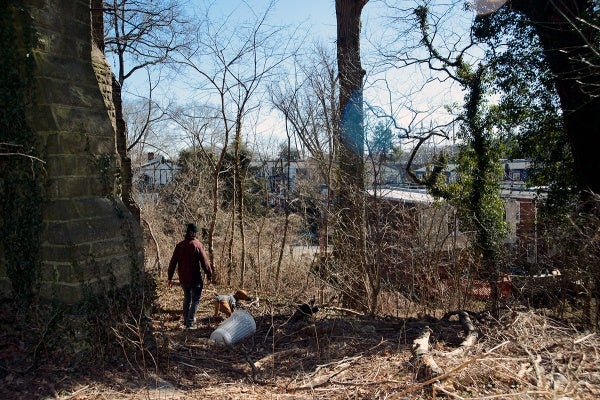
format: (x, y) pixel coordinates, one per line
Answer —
(90, 241)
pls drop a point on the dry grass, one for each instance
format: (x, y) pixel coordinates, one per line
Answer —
(339, 355)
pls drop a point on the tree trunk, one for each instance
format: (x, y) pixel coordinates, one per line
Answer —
(125, 161)
(239, 188)
(570, 42)
(350, 232)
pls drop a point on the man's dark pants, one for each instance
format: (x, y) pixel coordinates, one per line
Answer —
(191, 299)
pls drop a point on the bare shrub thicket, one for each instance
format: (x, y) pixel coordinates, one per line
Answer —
(572, 253)
(418, 260)
(165, 214)
(422, 259)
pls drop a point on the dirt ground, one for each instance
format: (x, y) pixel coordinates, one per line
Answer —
(336, 354)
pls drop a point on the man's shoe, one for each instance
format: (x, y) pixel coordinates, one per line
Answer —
(191, 327)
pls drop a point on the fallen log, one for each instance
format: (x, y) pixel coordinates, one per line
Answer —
(425, 366)
(445, 375)
(471, 334)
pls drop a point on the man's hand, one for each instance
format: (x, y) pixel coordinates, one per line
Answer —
(170, 283)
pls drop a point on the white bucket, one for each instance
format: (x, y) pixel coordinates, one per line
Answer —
(239, 326)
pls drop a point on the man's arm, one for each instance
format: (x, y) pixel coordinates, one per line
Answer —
(171, 270)
(205, 263)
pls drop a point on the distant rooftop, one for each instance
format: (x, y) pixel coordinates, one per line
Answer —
(407, 195)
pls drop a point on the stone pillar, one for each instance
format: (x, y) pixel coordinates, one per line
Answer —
(90, 240)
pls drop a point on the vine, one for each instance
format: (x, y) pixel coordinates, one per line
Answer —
(21, 171)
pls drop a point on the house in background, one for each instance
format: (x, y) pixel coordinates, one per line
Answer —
(156, 172)
(384, 174)
(520, 206)
(516, 172)
(450, 171)
(280, 176)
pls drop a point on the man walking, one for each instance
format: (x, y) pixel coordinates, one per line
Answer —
(189, 255)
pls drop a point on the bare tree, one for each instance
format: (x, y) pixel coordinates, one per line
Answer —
(309, 105)
(140, 34)
(351, 235)
(143, 33)
(231, 61)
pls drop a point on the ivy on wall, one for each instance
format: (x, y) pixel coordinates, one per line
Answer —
(21, 171)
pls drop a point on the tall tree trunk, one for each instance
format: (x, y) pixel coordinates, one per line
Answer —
(213, 219)
(570, 41)
(351, 237)
(239, 188)
(125, 161)
(286, 207)
(230, 259)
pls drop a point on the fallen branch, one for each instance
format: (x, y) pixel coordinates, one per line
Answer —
(447, 392)
(449, 373)
(270, 358)
(470, 332)
(584, 338)
(322, 379)
(346, 310)
(74, 394)
(422, 361)
(535, 361)
(527, 393)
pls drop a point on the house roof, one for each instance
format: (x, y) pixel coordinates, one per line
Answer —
(451, 167)
(517, 164)
(160, 160)
(405, 195)
(420, 196)
(521, 193)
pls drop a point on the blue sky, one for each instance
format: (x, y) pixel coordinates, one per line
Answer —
(316, 19)
(318, 14)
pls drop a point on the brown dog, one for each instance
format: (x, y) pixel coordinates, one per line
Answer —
(227, 303)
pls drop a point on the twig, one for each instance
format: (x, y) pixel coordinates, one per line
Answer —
(23, 155)
(505, 395)
(75, 393)
(347, 310)
(343, 365)
(535, 362)
(584, 338)
(320, 381)
(449, 393)
(382, 382)
(187, 365)
(342, 361)
(270, 358)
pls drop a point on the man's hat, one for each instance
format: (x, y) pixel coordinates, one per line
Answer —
(192, 228)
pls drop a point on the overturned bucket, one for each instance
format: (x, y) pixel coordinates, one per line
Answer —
(239, 326)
